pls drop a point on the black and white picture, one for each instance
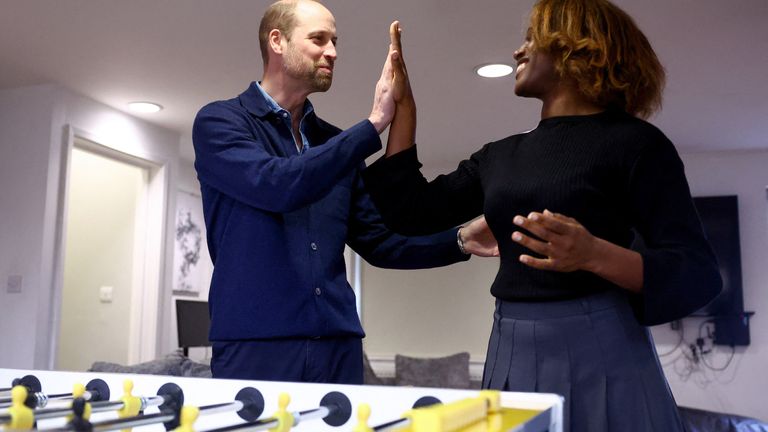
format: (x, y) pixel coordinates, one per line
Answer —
(189, 243)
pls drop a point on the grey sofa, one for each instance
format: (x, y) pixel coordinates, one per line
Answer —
(174, 364)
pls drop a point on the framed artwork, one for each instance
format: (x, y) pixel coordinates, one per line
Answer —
(189, 246)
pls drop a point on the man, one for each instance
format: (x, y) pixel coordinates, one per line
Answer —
(281, 195)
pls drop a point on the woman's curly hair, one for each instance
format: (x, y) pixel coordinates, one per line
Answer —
(602, 49)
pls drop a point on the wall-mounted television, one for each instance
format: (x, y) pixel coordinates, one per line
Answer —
(720, 219)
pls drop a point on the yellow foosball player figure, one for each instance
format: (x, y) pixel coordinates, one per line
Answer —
(283, 417)
(363, 414)
(187, 419)
(22, 416)
(79, 421)
(131, 403)
(79, 392)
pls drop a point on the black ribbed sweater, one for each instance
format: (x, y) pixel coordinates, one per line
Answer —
(612, 172)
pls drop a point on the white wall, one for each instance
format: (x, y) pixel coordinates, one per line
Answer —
(25, 139)
(428, 313)
(432, 312)
(33, 122)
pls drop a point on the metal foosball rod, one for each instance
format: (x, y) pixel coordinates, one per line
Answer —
(136, 421)
(20, 416)
(335, 409)
(169, 397)
(48, 413)
(249, 404)
(167, 394)
(128, 405)
(96, 390)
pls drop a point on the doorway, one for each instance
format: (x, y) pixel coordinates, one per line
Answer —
(104, 298)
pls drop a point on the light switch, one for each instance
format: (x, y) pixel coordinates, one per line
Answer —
(15, 283)
(105, 294)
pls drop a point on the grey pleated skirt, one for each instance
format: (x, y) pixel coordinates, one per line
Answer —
(590, 350)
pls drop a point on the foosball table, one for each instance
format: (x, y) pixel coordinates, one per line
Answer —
(82, 401)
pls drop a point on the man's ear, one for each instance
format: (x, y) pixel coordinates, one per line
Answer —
(276, 40)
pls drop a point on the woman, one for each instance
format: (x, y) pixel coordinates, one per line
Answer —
(572, 297)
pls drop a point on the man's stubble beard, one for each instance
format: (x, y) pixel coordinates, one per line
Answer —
(297, 67)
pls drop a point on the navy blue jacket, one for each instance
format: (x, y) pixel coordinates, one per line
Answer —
(277, 222)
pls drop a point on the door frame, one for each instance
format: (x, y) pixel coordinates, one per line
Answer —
(149, 256)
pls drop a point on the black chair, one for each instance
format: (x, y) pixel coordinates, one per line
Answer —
(192, 323)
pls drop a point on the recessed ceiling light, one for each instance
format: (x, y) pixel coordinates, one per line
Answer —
(494, 70)
(144, 107)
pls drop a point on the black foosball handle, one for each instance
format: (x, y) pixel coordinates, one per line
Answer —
(29, 381)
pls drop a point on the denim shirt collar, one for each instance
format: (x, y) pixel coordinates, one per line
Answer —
(256, 100)
(260, 103)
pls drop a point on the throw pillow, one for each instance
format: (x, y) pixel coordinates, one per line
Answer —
(190, 368)
(447, 372)
(168, 365)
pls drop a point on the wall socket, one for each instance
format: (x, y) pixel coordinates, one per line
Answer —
(105, 294)
(14, 284)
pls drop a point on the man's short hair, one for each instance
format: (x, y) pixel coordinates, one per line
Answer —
(280, 15)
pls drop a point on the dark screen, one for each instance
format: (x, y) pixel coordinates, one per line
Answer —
(192, 321)
(720, 219)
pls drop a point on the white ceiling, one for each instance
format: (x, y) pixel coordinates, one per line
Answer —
(185, 53)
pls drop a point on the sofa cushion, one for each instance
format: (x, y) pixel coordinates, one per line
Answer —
(448, 372)
(190, 368)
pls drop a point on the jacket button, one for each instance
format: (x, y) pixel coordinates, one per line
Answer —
(313, 245)
(318, 291)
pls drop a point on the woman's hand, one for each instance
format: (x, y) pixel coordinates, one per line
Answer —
(478, 239)
(401, 84)
(569, 246)
(402, 132)
(565, 243)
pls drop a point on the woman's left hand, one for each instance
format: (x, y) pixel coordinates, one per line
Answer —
(401, 84)
(565, 243)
